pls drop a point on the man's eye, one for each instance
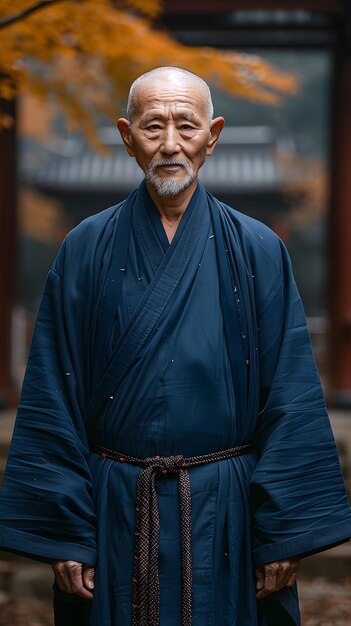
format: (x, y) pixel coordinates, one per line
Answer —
(154, 127)
(187, 127)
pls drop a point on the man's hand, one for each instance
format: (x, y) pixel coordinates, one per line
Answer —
(272, 577)
(75, 578)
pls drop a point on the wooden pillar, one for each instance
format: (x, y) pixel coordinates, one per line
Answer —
(339, 293)
(8, 247)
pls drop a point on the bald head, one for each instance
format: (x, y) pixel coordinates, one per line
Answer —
(162, 73)
(170, 130)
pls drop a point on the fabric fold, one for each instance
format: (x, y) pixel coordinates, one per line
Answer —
(181, 349)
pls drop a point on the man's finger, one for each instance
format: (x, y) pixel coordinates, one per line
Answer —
(287, 573)
(271, 572)
(286, 570)
(70, 573)
(269, 582)
(69, 578)
(259, 577)
(292, 580)
(88, 577)
(276, 576)
(75, 573)
(283, 574)
(61, 577)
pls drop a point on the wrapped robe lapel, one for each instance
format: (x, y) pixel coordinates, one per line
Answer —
(184, 254)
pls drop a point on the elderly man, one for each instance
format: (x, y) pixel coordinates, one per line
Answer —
(172, 455)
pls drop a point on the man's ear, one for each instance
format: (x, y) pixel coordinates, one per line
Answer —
(123, 126)
(216, 127)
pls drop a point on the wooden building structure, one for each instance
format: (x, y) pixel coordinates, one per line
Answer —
(319, 24)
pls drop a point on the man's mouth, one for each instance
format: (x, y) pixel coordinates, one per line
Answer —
(169, 168)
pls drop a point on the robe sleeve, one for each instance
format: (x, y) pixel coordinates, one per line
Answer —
(46, 507)
(299, 500)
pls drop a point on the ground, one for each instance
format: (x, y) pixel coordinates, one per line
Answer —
(323, 604)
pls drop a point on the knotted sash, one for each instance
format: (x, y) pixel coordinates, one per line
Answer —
(146, 584)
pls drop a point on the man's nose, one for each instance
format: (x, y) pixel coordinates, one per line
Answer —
(170, 140)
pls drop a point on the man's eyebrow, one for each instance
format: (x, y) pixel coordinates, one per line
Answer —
(150, 118)
(190, 117)
(182, 115)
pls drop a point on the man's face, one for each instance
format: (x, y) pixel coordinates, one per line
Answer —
(170, 134)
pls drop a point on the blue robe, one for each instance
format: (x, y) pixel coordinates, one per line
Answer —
(185, 348)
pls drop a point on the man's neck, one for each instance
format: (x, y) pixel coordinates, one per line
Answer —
(172, 208)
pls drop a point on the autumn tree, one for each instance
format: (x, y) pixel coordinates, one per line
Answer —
(86, 52)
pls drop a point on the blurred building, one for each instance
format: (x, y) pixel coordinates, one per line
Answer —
(246, 165)
(286, 166)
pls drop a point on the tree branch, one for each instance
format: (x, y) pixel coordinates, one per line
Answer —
(17, 17)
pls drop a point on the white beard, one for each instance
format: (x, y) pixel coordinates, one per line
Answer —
(166, 187)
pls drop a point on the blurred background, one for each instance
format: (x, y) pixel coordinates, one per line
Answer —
(280, 74)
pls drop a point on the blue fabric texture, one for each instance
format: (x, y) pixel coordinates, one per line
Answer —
(185, 348)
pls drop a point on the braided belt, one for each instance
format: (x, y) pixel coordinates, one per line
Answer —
(146, 585)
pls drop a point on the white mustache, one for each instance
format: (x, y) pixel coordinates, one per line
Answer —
(157, 164)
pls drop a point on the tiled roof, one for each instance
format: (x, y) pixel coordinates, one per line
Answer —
(244, 159)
